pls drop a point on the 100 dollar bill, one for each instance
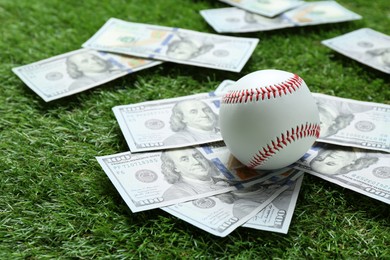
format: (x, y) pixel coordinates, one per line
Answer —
(223, 213)
(156, 179)
(364, 45)
(363, 171)
(354, 123)
(320, 12)
(276, 216)
(235, 20)
(173, 44)
(77, 71)
(170, 123)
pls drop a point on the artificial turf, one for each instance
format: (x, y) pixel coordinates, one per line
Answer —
(57, 203)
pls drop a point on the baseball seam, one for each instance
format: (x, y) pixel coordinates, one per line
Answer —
(255, 94)
(282, 141)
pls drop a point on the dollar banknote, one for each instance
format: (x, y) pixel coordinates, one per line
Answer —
(320, 12)
(156, 179)
(365, 45)
(347, 122)
(170, 123)
(276, 216)
(265, 8)
(221, 214)
(354, 123)
(76, 71)
(360, 170)
(235, 20)
(173, 44)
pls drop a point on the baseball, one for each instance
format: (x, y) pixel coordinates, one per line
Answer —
(269, 119)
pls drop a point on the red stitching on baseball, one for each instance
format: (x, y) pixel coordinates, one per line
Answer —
(242, 96)
(282, 141)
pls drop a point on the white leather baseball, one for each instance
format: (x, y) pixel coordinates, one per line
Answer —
(269, 119)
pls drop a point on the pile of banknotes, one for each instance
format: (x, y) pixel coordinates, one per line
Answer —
(177, 160)
(254, 16)
(179, 163)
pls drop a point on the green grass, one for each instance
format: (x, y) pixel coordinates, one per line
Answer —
(55, 200)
